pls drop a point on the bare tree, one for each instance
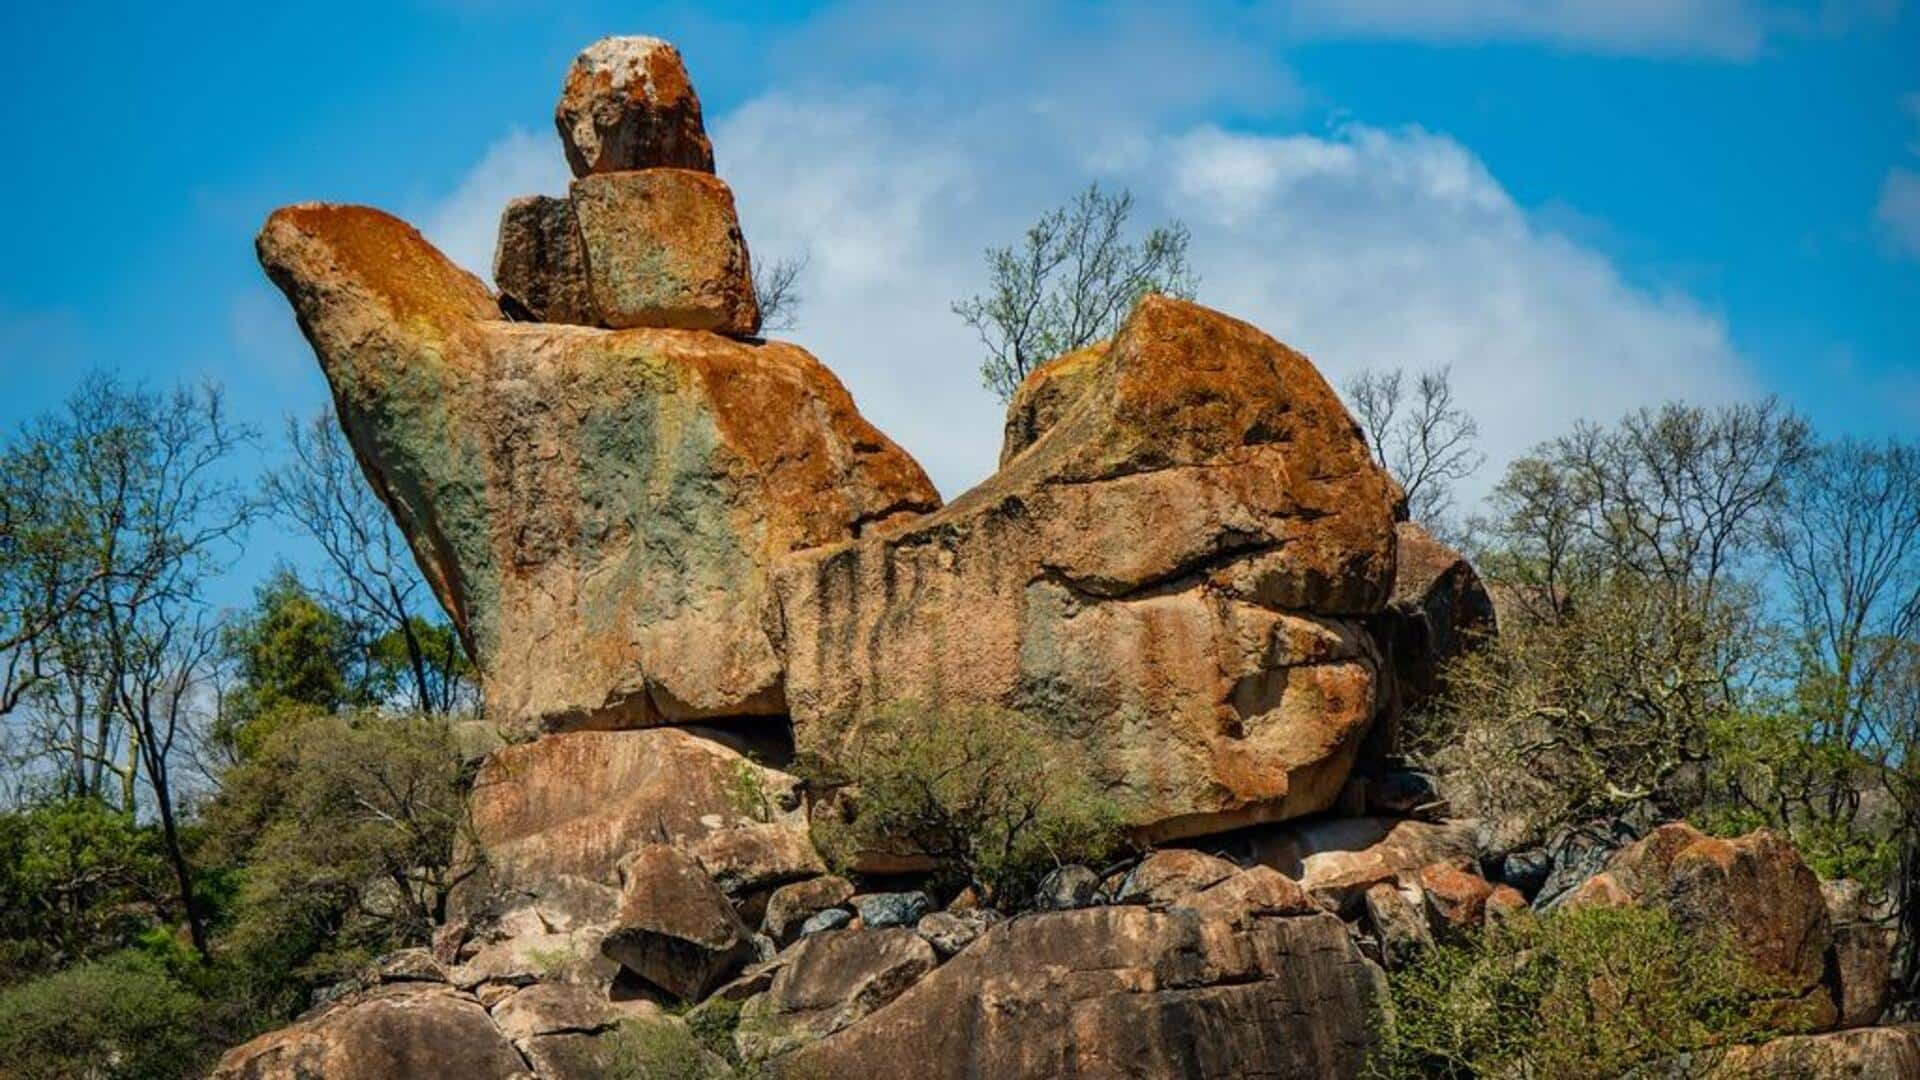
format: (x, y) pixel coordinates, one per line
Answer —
(144, 479)
(375, 579)
(1424, 442)
(776, 289)
(1069, 284)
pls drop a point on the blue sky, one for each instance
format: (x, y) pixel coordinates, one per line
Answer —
(1581, 205)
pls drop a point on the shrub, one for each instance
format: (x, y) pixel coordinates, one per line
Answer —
(983, 792)
(77, 879)
(1586, 993)
(117, 1017)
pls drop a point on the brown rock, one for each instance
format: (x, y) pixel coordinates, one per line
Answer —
(1598, 891)
(830, 981)
(1166, 876)
(1455, 898)
(1124, 992)
(756, 856)
(1338, 860)
(1399, 923)
(407, 1029)
(791, 905)
(573, 804)
(1504, 902)
(1154, 572)
(628, 104)
(645, 1039)
(539, 264)
(1879, 1053)
(1439, 610)
(1254, 893)
(675, 928)
(613, 499)
(664, 249)
(552, 1008)
(1754, 887)
(1860, 961)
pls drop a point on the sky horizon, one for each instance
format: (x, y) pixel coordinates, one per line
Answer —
(1579, 206)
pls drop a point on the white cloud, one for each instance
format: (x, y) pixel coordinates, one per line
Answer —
(1898, 211)
(466, 222)
(1726, 29)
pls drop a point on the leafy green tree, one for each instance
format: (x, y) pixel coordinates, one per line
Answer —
(344, 828)
(293, 656)
(77, 879)
(118, 1018)
(1069, 284)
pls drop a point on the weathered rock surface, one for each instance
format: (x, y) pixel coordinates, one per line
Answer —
(663, 249)
(879, 910)
(407, 1029)
(830, 981)
(1254, 893)
(1066, 888)
(1439, 609)
(791, 905)
(1124, 992)
(1338, 860)
(1860, 963)
(1455, 898)
(540, 266)
(572, 805)
(628, 104)
(598, 512)
(1166, 876)
(1160, 571)
(1880, 1053)
(675, 928)
(1755, 889)
(1398, 922)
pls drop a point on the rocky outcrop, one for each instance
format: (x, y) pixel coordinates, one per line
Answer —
(675, 928)
(407, 1029)
(1164, 571)
(1338, 860)
(1124, 992)
(1860, 963)
(1882, 1053)
(832, 980)
(1439, 609)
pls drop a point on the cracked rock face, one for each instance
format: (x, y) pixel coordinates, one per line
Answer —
(1170, 564)
(598, 512)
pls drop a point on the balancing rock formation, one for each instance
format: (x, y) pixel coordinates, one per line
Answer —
(678, 555)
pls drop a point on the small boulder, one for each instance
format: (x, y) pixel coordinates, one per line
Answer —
(664, 249)
(407, 1029)
(879, 911)
(793, 904)
(1066, 888)
(551, 1008)
(752, 857)
(539, 264)
(1256, 892)
(1455, 898)
(675, 928)
(1337, 861)
(830, 919)
(1860, 961)
(628, 104)
(409, 965)
(1875, 1053)
(1404, 793)
(949, 932)
(1398, 924)
(1166, 876)
(829, 982)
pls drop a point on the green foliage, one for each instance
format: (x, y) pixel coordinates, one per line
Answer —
(983, 792)
(1585, 993)
(747, 791)
(661, 1050)
(77, 878)
(118, 1017)
(344, 829)
(294, 657)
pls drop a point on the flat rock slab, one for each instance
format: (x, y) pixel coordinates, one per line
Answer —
(408, 1030)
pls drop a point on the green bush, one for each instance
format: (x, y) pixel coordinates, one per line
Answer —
(1587, 993)
(77, 879)
(984, 793)
(108, 1019)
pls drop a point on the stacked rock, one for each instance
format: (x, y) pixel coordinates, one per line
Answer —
(648, 235)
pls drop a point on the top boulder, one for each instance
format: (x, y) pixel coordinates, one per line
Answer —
(628, 104)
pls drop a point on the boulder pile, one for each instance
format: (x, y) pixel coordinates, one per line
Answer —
(681, 558)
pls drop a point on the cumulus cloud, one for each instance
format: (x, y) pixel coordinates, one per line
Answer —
(1722, 29)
